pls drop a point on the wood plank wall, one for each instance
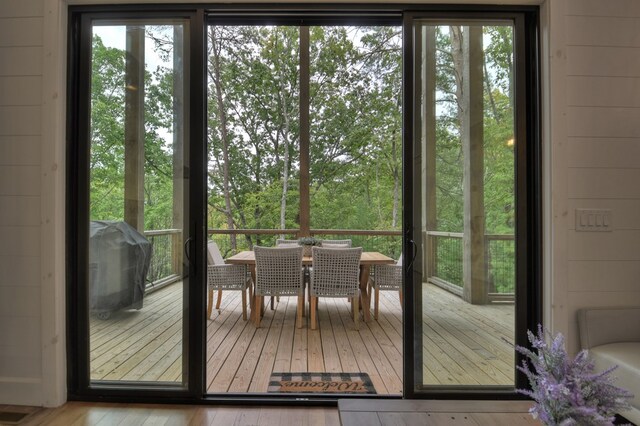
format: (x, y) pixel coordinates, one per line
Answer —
(603, 153)
(21, 66)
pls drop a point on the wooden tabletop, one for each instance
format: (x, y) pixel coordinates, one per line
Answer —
(368, 258)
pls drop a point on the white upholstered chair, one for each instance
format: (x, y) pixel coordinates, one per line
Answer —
(386, 277)
(335, 273)
(278, 273)
(221, 276)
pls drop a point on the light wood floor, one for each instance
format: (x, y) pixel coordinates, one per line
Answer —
(101, 414)
(463, 344)
(357, 412)
(435, 413)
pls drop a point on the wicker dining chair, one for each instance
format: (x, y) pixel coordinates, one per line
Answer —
(335, 273)
(385, 277)
(221, 276)
(278, 273)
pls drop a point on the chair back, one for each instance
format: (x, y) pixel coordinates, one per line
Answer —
(214, 257)
(286, 243)
(336, 272)
(279, 271)
(336, 243)
(388, 277)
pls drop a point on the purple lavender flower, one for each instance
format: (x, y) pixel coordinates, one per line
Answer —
(568, 392)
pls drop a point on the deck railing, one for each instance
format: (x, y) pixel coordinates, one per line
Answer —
(384, 241)
(166, 257)
(447, 262)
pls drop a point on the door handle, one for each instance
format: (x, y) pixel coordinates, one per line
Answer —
(186, 249)
(414, 249)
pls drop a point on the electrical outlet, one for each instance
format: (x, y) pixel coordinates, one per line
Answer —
(594, 220)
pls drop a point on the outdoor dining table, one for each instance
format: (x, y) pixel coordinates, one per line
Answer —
(367, 259)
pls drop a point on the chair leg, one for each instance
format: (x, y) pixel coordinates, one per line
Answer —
(401, 298)
(272, 307)
(251, 295)
(314, 314)
(244, 304)
(376, 303)
(210, 304)
(300, 308)
(219, 299)
(356, 312)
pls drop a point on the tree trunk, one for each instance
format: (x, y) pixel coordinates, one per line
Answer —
(396, 182)
(487, 82)
(224, 135)
(458, 64)
(285, 159)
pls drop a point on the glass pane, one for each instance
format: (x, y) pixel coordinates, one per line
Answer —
(465, 127)
(253, 170)
(253, 132)
(136, 201)
(257, 133)
(356, 134)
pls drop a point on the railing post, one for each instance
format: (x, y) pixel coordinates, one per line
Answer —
(176, 253)
(178, 150)
(134, 128)
(491, 285)
(428, 136)
(472, 128)
(305, 201)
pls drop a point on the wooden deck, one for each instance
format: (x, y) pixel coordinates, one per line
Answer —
(465, 344)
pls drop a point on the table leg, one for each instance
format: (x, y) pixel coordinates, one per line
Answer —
(364, 291)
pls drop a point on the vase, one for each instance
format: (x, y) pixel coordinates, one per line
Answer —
(306, 250)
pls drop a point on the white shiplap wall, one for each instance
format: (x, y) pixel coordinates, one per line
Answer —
(603, 152)
(21, 57)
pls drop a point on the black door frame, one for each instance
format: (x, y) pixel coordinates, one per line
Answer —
(529, 229)
(77, 239)
(528, 190)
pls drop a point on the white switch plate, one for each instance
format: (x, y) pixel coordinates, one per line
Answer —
(594, 220)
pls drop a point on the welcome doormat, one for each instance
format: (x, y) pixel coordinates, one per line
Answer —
(354, 383)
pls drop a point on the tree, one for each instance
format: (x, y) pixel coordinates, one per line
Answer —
(107, 137)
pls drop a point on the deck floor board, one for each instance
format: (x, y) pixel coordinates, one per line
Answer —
(463, 344)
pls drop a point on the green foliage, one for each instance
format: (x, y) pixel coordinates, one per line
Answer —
(108, 135)
(355, 129)
(308, 241)
(355, 89)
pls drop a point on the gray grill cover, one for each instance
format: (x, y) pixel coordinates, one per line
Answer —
(119, 258)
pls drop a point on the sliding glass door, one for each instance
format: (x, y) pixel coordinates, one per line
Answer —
(466, 157)
(418, 141)
(132, 223)
(304, 139)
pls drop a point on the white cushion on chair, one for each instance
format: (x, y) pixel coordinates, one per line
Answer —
(214, 257)
(335, 246)
(287, 245)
